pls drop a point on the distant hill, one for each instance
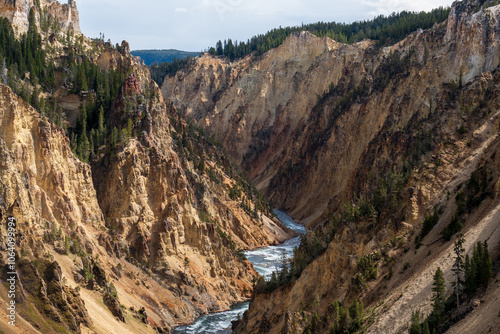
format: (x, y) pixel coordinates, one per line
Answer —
(162, 56)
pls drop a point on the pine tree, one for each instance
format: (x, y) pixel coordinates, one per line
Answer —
(42, 106)
(91, 141)
(101, 126)
(356, 311)
(124, 136)
(470, 276)
(84, 148)
(477, 255)
(107, 94)
(335, 315)
(113, 140)
(219, 49)
(100, 90)
(91, 108)
(283, 274)
(81, 125)
(273, 282)
(415, 327)
(66, 244)
(112, 290)
(34, 99)
(485, 266)
(458, 267)
(425, 329)
(201, 165)
(439, 297)
(345, 320)
(81, 79)
(73, 144)
(130, 128)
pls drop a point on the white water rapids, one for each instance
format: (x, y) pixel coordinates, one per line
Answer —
(265, 260)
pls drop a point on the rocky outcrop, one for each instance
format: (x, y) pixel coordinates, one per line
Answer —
(114, 306)
(49, 298)
(66, 14)
(41, 180)
(47, 190)
(17, 11)
(259, 107)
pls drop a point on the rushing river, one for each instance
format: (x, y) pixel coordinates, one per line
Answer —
(265, 260)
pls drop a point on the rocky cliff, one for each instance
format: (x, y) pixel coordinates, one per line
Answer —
(404, 272)
(268, 116)
(393, 130)
(17, 11)
(46, 189)
(169, 212)
(148, 234)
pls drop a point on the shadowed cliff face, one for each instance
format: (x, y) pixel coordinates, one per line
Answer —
(405, 273)
(304, 154)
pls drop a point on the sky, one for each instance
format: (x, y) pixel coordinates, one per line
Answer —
(195, 25)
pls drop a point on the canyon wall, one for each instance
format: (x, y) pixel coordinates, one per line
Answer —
(318, 124)
(299, 150)
(17, 11)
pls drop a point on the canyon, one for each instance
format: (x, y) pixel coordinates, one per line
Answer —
(361, 143)
(318, 124)
(137, 240)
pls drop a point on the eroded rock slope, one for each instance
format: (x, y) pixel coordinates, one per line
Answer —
(360, 143)
(147, 235)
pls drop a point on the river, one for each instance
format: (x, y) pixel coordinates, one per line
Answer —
(265, 260)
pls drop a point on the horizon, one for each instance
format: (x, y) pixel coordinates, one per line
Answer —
(196, 25)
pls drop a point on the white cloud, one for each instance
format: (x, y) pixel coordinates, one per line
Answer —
(386, 7)
(155, 24)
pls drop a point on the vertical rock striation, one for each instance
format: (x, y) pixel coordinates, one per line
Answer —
(304, 154)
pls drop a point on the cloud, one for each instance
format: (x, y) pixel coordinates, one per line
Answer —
(387, 7)
(195, 25)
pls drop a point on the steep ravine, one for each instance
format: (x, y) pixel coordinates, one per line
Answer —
(47, 189)
(149, 235)
(143, 238)
(424, 110)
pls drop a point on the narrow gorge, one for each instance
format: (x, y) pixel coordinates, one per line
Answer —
(361, 143)
(145, 206)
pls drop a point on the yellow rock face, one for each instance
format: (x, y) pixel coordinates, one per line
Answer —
(265, 109)
(17, 12)
(133, 219)
(138, 206)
